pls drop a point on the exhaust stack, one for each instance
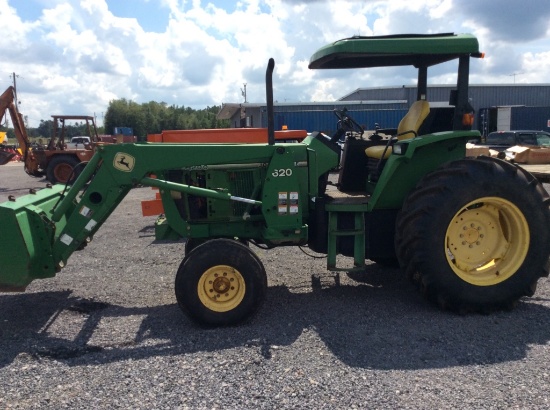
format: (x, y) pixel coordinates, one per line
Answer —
(269, 97)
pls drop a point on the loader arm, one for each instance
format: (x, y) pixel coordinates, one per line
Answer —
(42, 230)
(116, 169)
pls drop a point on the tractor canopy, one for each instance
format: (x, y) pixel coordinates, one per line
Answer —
(418, 50)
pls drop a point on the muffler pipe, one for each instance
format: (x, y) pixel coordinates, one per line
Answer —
(269, 97)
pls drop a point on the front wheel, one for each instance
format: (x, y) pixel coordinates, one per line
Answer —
(192, 243)
(220, 283)
(474, 236)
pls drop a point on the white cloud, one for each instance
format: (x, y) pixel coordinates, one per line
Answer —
(74, 56)
(535, 68)
(323, 91)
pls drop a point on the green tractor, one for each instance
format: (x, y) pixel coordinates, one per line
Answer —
(471, 233)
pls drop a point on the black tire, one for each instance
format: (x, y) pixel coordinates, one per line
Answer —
(61, 167)
(473, 235)
(229, 271)
(192, 243)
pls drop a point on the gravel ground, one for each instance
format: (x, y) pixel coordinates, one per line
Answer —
(106, 333)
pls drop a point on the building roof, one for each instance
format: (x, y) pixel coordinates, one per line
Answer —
(228, 111)
(393, 87)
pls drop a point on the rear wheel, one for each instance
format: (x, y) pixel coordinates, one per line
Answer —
(220, 283)
(474, 235)
(60, 169)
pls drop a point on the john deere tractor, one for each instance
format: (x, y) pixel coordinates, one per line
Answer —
(471, 233)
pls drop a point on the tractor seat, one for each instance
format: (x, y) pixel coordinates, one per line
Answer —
(408, 128)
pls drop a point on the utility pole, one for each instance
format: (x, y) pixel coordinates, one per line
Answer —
(514, 75)
(243, 92)
(15, 88)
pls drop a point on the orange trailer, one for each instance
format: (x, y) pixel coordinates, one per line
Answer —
(225, 136)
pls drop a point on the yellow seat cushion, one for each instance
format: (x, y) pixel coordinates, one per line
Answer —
(376, 151)
(408, 128)
(411, 122)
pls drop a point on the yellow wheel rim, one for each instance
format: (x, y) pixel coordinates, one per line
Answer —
(221, 288)
(487, 241)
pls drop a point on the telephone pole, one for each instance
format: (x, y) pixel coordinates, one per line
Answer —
(14, 76)
(243, 92)
(514, 75)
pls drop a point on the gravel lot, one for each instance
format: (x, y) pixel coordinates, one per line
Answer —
(107, 333)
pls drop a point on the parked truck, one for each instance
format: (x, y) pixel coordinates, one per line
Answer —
(471, 233)
(502, 140)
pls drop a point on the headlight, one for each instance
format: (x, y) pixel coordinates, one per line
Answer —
(400, 149)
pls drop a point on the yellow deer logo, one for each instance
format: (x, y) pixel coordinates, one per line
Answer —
(124, 162)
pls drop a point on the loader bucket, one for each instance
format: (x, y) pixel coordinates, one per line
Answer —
(26, 238)
(5, 157)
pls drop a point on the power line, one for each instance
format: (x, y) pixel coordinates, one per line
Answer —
(514, 75)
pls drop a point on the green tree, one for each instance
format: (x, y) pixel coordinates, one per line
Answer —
(45, 128)
(154, 117)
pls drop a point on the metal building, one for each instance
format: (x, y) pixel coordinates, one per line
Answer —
(498, 107)
(315, 116)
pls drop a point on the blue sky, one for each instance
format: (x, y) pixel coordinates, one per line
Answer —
(74, 56)
(150, 15)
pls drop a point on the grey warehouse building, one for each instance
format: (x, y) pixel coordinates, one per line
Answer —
(497, 107)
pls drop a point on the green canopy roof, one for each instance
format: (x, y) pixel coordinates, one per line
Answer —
(396, 50)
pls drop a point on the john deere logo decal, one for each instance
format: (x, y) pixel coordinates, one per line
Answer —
(124, 162)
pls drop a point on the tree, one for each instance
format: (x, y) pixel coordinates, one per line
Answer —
(154, 117)
(45, 129)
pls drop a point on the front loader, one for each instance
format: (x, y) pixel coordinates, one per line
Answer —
(471, 233)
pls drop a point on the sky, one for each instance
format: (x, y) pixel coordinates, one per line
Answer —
(74, 56)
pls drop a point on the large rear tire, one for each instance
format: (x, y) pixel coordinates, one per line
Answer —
(474, 235)
(60, 169)
(220, 283)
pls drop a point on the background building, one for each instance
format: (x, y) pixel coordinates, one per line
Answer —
(498, 107)
(314, 116)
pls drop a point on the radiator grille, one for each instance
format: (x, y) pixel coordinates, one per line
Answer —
(241, 184)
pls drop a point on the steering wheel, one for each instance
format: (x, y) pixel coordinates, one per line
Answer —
(348, 123)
